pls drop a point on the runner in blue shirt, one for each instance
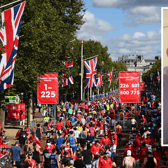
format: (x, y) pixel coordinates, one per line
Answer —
(59, 141)
(54, 161)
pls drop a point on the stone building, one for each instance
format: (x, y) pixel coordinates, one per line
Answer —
(143, 65)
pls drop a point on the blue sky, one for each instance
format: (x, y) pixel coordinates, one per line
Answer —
(123, 26)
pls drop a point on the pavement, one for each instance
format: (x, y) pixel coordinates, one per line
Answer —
(12, 128)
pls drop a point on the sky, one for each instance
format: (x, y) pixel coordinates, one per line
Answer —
(126, 27)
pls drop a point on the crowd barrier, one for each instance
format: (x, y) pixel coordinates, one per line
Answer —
(33, 124)
(126, 124)
(99, 96)
(5, 161)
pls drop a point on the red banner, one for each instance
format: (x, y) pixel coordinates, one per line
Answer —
(47, 89)
(142, 86)
(16, 111)
(129, 87)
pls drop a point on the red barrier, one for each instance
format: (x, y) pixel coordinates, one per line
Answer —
(16, 111)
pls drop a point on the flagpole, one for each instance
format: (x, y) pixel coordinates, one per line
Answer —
(10, 4)
(82, 70)
(90, 91)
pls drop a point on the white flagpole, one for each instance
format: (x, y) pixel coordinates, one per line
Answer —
(10, 4)
(82, 70)
(90, 92)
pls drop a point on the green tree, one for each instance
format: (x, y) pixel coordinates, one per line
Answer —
(47, 29)
(156, 67)
(91, 48)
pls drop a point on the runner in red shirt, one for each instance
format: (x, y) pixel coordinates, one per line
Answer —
(143, 120)
(135, 153)
(148, 140)
(118, 131)
(138, 140)
(68, 123)
(128, 148)
(106, 162)
(103, 112)
(105, 141)
(143, 152)
(95, 148)
(126, 115)
(114, 141)
(101, 127)
(157, 155)
(58, 126)
(166, 153)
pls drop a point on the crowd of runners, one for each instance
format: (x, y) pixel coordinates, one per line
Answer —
(90, 135)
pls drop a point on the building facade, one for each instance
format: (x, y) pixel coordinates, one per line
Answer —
(142, 65)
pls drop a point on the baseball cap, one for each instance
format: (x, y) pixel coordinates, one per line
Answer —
(17, 142)
(79, 156)
(129, 143)
(30, 154)
(48, 144)
(71, 162)
(128, 152)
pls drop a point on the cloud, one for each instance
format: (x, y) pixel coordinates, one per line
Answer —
(94, 28)
(138, 12)
(143, 15)
(147, 45)
(127, 4)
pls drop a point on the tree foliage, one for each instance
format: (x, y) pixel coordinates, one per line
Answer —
(156, 67)
(47, 29)
(91, 48)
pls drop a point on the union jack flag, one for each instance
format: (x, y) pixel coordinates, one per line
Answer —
(91, 71)
(9, 36)
(110, 74)
(68, 81)
(99, 81)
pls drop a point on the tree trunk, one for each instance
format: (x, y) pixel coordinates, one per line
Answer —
(2, 114)
(29, 111)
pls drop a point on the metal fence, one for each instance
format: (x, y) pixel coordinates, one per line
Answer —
(33, 123)
(99, 96)
(126, 124)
